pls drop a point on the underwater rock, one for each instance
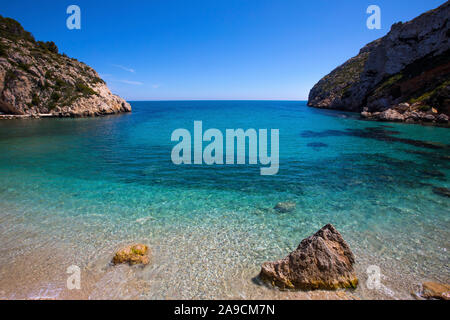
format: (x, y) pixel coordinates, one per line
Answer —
(284, 207)
(322, 261)
(434, 290)
(132, 254)
(317, 145)
(375, 133)
(442, 191)
(434, 173)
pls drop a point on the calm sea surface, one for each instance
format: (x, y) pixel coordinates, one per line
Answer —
(74, 190)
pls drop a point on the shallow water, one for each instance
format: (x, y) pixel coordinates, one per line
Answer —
(74, 190)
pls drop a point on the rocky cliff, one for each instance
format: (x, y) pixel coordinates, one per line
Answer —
(404, 76)
(35, 79)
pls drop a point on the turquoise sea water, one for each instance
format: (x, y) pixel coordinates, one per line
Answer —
(74, 190)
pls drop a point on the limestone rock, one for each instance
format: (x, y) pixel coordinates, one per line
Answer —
(366, 114)
(322, 261)
(414, 116)
(132, 254)
(284, 207)
(36, 80)
(402, 107)
(391, 115)
(405, 69)
(434, 290)
(442, 118)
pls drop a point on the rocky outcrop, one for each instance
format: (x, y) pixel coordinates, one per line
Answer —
(434, 290)
(411, 65)
(322, 261)
(404, 112)
(35, 79)
(132, 254)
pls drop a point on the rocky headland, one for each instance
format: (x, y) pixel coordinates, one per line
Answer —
(37, 81)
(404, 76)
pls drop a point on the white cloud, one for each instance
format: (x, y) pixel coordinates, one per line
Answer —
(110, 78)
(135, 83)
(124, 68)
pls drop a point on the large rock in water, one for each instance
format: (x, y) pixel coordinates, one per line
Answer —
(322, 261)
(36, 79)
(410, 64)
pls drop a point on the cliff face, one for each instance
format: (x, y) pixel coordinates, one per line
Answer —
(36, 79)
(404, 76)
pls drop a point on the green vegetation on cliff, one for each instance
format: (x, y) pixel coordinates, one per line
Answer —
(425, 82)
(410, 65)
(36, 79)
(13, 30)
(348, 73)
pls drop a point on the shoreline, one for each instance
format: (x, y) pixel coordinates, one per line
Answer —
(30, 278)
(360, 118)
(26, 116)
(374, 117)
(52, 116)
(420, 123)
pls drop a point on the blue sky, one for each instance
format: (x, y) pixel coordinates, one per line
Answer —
(224, 49)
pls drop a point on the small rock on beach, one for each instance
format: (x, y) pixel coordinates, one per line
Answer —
(132, 254)
(434, 290)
